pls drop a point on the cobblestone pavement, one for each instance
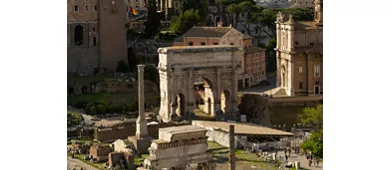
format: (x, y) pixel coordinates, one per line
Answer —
(75, 163)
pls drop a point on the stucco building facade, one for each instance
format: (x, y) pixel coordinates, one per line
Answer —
(299, 54)
(96, 37)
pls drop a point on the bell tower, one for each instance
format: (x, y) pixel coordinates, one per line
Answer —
(318, 12)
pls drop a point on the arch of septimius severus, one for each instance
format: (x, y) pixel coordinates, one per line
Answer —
(203, 77)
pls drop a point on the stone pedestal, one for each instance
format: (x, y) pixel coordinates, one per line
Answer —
(142, 144)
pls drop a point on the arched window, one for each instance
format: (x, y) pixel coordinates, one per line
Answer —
(79, 35)
(76, 8)
(86, 8)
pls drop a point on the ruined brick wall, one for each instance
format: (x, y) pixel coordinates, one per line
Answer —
(124, 131)
(96, 151)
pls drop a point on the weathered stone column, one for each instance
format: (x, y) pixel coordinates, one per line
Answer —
(232, 149)
(190, 97)
(218, 104)
(142, 129)
(173, 101)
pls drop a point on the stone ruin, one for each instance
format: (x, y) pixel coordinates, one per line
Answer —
(179, 148)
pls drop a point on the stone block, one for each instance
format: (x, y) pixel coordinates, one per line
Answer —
(141, 144)
(114, 158)
(179, 133)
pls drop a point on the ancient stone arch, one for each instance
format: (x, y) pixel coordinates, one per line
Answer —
(207, 71)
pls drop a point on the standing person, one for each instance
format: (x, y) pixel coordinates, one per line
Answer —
(310, 162)
(286, 157)
(317, 162)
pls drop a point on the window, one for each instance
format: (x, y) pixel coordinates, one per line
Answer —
(136, 0)
(93, 29)
(86, 8)
(215, 43)
(136, 6)
(203, 43)
(95, 7)
(231, 43)
(300, 85)
(262, 73)
(94, 41)
(316, 70)
(190, 43)
(296, 43)
(79, 35)
(76, 8)
(311, 44)
(300, 69)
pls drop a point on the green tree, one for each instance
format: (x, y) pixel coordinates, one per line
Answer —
(201, 5)
(152, 24)
(314, 118)
(271, 55)
(185, 21)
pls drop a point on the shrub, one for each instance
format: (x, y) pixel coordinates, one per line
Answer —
(100, 109)
(74, 119)
(110, 109)
(81, 104)
(134, 106)
(92, 110)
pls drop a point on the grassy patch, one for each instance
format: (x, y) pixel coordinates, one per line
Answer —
(89, 79)
(285, 115)
(140, 159)
(248, 159)
(200, 115)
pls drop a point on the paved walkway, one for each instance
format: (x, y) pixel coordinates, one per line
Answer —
(302, 160)
(75, 163)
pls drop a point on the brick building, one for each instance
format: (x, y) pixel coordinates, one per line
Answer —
(299, 54)
(198, 36)
(254, 66)
(96, 35)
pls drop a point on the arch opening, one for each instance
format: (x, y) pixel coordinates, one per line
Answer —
(79, 35)
(204, 97)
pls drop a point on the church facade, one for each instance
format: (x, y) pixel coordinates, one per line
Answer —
(299, 53)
